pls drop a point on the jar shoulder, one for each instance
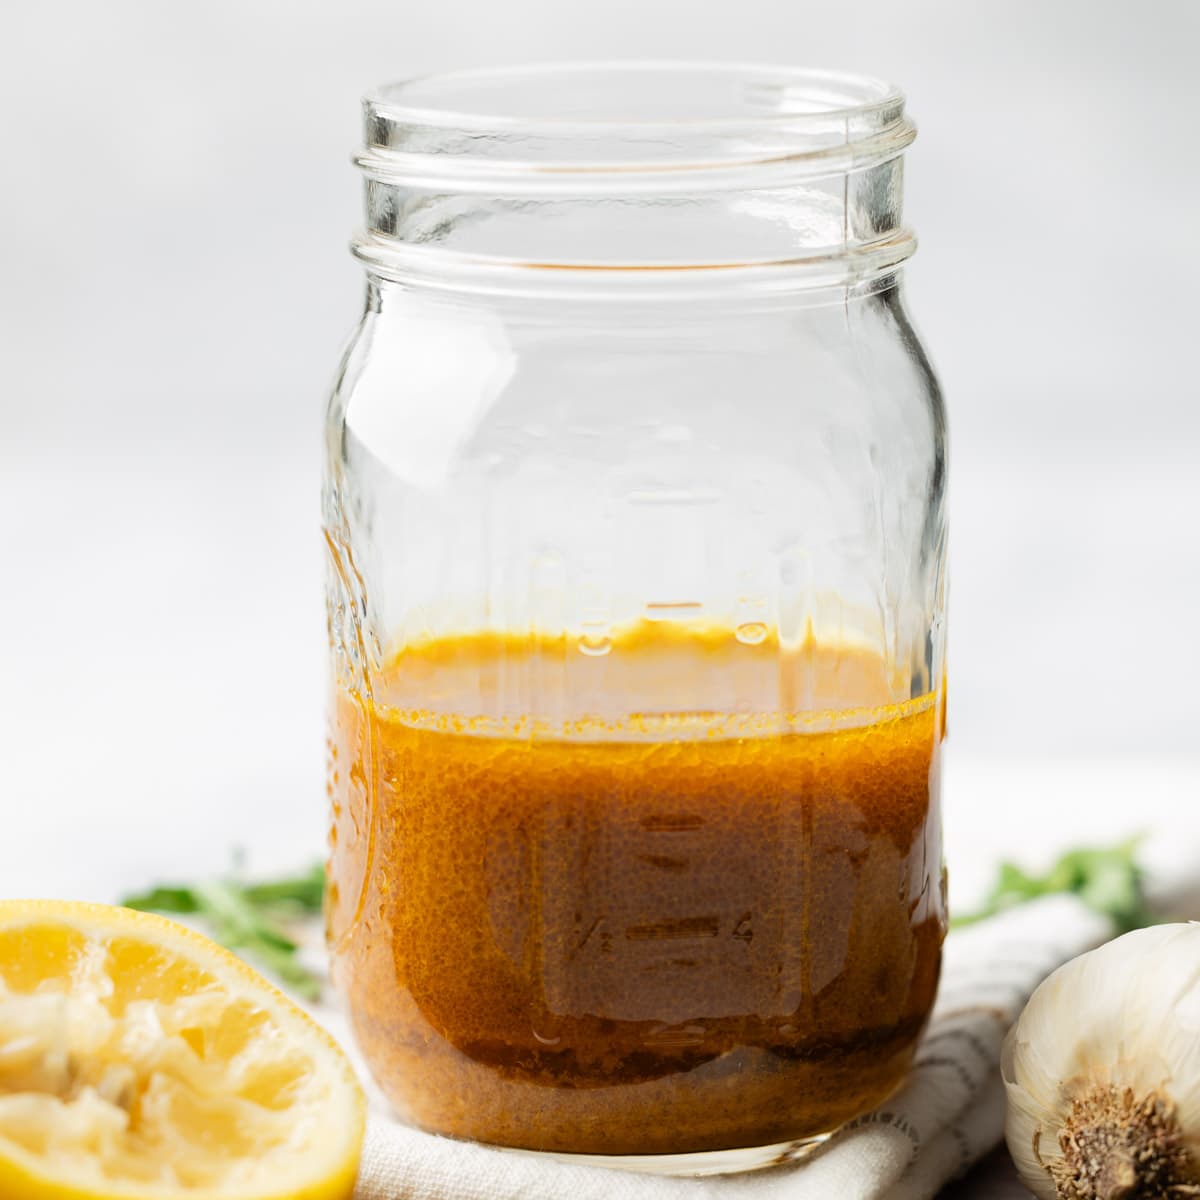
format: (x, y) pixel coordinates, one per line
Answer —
(433, 388)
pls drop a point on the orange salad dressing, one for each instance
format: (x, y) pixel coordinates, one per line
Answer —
(623, 928)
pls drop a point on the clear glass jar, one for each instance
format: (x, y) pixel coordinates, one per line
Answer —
(634, 507)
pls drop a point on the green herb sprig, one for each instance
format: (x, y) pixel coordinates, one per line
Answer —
(251, 919)
(1107, 879)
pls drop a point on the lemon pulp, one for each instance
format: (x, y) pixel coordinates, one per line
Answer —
(138, 1059)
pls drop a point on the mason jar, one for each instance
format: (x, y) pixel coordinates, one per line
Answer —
(634, 506)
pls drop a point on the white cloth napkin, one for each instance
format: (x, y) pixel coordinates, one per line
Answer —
(949, 1113)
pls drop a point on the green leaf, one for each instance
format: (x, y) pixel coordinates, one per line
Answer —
(305, 892)
(163, 900)
(249, 919)
(1107, 879)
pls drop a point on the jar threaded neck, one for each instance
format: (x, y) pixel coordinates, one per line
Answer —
(633, 168)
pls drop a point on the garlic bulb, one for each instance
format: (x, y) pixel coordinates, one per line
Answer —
(1102, 1071)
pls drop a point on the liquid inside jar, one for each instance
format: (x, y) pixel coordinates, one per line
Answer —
(565, 922)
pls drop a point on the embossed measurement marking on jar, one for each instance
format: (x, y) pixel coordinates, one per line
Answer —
(595, 642)
(645, 951)
(753, 612)
(667, 540)
(673, 610)
(751, 633)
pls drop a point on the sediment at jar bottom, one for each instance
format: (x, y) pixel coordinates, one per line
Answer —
(743, 1097)
(629, 944)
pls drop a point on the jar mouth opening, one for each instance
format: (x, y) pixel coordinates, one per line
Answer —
(597, 126)
(634, 95)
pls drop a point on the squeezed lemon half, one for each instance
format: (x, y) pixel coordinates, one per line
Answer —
(141, 1061)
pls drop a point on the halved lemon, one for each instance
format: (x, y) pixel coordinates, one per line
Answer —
(141, 1061)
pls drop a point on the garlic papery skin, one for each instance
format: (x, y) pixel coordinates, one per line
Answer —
(1102, 1071)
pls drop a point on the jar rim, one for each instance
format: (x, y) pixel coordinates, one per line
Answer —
(771, 95)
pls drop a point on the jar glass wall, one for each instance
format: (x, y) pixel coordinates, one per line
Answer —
(634, 506)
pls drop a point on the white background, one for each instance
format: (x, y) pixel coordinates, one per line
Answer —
(175, 287)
